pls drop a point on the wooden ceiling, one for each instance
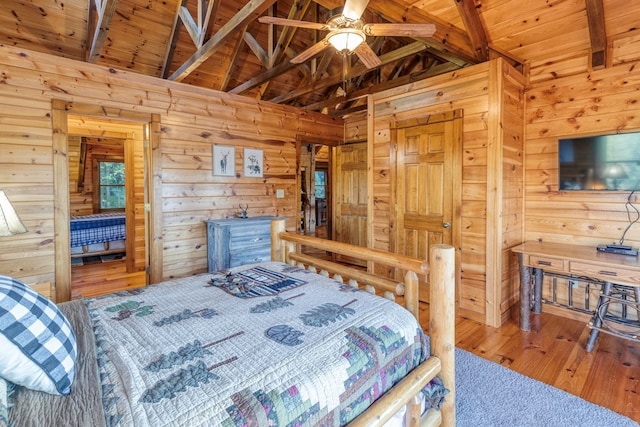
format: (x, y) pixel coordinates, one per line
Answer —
(219, 44)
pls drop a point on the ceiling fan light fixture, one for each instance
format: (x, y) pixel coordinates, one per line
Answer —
(346, 39)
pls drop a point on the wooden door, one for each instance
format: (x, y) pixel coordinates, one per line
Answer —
(350, 195)
(426, 186)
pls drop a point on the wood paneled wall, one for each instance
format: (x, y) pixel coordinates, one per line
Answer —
(112, 138)
(490, 94)
(192, 121)
(600, 102)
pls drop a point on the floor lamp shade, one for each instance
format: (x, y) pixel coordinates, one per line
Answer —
(10, 223)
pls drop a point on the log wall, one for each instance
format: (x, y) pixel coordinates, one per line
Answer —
(490, 94)
(600, 102)
(192, 121)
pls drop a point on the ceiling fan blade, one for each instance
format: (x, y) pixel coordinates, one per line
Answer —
(402, 30)
(311, 52)
(353, 9)
(292, 23)
(367, 56)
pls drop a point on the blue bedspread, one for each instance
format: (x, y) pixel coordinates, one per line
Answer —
(98, 228)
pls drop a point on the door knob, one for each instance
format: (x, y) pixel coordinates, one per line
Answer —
(446, 224)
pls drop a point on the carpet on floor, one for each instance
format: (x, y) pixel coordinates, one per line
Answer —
(489, 394)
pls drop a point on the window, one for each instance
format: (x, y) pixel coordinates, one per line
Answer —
(111, 182)
(321, 184)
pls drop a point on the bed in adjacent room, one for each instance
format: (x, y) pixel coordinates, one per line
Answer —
(262, 344)
(97, 234)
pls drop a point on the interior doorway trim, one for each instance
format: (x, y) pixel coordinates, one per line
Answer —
(59, 118)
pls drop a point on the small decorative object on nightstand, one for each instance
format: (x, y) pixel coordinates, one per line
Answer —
(243, 212)
(237, 241)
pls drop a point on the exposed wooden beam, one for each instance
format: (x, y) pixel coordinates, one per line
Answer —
(297, 11)
(597, 33)
(248, 13)
(285, 66)
(173, 40)
(231, 63)
(271, 73)
(472, 22)
(327, 56)
(389, 84)
(350, 110)
(257, 50)
(198, 28)
(189, 24)
(210, 19)
(100, 16)
(387, 58)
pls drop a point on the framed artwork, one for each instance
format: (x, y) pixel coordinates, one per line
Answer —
(253, 163)
(224, 160)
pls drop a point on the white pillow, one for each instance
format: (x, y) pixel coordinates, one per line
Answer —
(39, 346)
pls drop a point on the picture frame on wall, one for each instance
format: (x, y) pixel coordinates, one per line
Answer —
(224, 160)
(253, 163)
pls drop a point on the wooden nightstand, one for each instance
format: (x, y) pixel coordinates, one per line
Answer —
(237, 241)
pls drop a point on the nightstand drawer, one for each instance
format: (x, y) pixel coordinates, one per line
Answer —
(248, 237)
(547, 263)
(613, 274)
(260, 253)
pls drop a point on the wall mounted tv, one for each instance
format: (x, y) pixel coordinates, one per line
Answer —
(601, 163)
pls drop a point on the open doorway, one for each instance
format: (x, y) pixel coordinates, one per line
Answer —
(314, 177)
(322, 189)
(70, 118)
(106, 205)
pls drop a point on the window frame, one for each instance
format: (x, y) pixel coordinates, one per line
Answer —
(97, 185)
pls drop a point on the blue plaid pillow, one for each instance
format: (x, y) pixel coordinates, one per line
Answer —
(39, 346)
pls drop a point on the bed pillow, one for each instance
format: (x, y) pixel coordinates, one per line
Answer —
(39, 346)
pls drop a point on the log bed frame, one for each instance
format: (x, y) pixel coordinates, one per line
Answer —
(286, 247)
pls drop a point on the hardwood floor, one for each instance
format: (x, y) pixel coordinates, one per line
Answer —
(100, 278)
(552, 352)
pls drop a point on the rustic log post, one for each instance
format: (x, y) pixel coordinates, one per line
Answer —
(442, 321)
(411, 290)
(525, 295)
(277, 244)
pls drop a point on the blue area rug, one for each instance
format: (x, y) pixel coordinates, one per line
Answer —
(489, 394)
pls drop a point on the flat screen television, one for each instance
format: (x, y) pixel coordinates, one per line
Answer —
(600, 163)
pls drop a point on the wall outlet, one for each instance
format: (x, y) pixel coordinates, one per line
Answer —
(280, 193)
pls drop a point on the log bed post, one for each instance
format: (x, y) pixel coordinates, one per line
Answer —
(442, 321)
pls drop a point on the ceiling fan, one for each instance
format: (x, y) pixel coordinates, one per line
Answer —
(348, 32)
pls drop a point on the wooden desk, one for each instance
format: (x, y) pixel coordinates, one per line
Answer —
(535, 258)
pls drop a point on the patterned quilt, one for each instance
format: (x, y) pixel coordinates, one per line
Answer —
(97, 228)
(265, 344)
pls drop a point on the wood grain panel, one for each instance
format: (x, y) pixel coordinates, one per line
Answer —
(466, 89)
(604, 101)
(191, 120)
